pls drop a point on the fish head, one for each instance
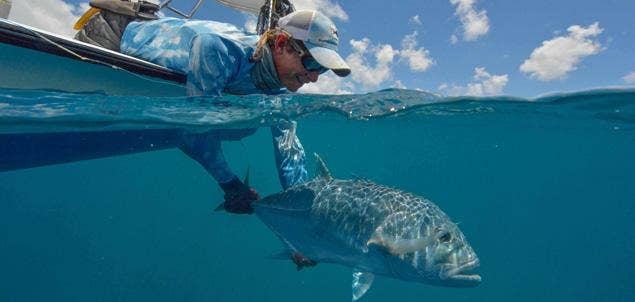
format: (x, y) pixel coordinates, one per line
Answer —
(449, 258)
(427, 248)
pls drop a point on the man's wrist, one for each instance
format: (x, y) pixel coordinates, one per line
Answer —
(234, 185)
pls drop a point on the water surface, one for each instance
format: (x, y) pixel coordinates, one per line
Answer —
(543, 189)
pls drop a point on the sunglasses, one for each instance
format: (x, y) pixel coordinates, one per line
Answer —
(309, 63)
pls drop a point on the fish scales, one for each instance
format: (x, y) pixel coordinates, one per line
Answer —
(353, 210)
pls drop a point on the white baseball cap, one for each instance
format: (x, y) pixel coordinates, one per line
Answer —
(319, 35)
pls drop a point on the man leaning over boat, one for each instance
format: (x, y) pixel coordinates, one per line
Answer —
(217, 59)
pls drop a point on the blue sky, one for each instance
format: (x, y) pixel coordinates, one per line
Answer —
(451, 47)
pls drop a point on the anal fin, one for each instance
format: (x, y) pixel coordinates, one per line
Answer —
(362, 281)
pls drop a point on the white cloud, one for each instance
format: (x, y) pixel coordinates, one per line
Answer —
(328, 83)
(372, 66)
(629, 78)
(419, 60)
(483, 84)
(213, 25)
(328, 8)
(454, 39)
(363, 72)
(251, 23)
(557, 57)
(415, 20)
(54, 16)
(475, 23)
(399, 84)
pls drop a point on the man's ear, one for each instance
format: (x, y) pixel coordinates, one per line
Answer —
(280, 44)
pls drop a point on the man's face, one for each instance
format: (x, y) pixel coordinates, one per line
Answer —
(289, 66)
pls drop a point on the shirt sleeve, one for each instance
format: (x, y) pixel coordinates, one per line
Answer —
(205, 148)
(211, 66)
(289, 155)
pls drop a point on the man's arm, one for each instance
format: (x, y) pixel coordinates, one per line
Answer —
(210, 66)
(289, 154)
(205, 148)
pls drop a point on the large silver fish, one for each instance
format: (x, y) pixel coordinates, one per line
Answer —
(373, 229)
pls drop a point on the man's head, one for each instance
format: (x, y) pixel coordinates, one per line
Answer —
(305, 47)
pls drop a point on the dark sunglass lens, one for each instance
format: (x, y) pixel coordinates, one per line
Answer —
(310, 64)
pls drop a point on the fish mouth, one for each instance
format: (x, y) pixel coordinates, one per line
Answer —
(461, 275)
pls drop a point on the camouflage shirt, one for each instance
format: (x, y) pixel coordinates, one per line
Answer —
(213, 55)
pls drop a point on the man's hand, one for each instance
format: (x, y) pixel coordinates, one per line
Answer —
(238, 197)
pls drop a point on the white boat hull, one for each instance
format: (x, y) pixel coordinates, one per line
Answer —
(35, 59)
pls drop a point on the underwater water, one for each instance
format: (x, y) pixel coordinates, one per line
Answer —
(544, 190)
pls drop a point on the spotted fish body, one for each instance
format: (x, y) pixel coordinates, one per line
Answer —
(373, 229)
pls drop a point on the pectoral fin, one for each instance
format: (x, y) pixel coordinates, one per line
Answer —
(399, 247)
(361, 283)
(407, 246)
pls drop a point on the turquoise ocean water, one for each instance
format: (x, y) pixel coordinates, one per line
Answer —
(544, 190)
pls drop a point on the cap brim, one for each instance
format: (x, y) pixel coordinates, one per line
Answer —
(330, 59)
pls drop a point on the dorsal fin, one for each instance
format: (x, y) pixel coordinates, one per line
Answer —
(360, 178)
(321, 170)
(246, 181)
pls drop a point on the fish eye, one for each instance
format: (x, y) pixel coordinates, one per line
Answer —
(445, 237)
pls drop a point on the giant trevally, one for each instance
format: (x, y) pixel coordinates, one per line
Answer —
(373, 229)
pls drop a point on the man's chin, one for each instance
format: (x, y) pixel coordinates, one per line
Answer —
(292, 84)
(293, 88)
